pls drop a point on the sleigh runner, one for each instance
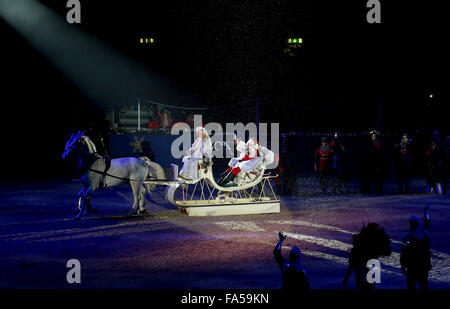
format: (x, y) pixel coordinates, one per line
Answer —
(252, 194)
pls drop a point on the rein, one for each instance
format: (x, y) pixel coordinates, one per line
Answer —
(117, 177)
(127, 179)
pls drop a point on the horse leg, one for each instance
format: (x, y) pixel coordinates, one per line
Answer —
(135, 188)
(80, 201)
(89, 206)
(142, 190)
(86, 201)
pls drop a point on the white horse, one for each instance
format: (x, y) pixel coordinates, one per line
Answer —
(96, 172)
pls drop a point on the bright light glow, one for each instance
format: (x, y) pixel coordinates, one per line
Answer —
(104, 75)
(296, 41)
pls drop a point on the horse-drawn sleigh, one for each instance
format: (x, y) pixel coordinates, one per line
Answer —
(252, 193)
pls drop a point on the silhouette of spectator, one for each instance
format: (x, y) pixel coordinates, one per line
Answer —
(190, 119)
(294, 274)
(374, 165)
(415, 257)
(165, 119)
(338, 165)
(446, 164)
(403, 163)
(370, 243)
(288, 158)
(435, 164)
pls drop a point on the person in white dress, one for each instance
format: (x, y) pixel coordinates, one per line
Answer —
(249, 160)
(267, 155)
(240, 148)
(253, 157)
(201, 148)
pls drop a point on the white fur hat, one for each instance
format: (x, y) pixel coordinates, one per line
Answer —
(201, 129)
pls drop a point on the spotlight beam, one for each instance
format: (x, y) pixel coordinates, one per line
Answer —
(103, 74)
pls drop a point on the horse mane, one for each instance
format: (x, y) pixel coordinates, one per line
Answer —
(90, 144)
(86, 152)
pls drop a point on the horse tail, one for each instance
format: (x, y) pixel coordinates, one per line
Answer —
(154, 171)
(145, 159)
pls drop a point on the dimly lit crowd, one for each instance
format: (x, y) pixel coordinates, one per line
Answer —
(369, 244)
(372, 161)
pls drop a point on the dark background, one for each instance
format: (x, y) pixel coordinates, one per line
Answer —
(231, 53)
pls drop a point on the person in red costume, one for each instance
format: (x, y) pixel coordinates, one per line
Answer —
(248, 158)
(322, 160)
(165, 118)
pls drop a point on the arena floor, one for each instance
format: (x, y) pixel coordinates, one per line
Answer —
(167, 249)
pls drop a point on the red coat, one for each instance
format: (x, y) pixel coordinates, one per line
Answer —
(323, 158)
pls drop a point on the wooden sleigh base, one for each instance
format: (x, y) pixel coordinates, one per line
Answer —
(203, 197)
(238, 208)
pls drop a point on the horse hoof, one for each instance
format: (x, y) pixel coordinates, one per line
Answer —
(142, 211)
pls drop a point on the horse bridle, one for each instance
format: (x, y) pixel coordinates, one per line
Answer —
(71, 147)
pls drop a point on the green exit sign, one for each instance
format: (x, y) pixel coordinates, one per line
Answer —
(295, 41)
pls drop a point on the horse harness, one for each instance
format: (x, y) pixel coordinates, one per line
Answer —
(107, 166)
(105, 171)
(96, 156)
